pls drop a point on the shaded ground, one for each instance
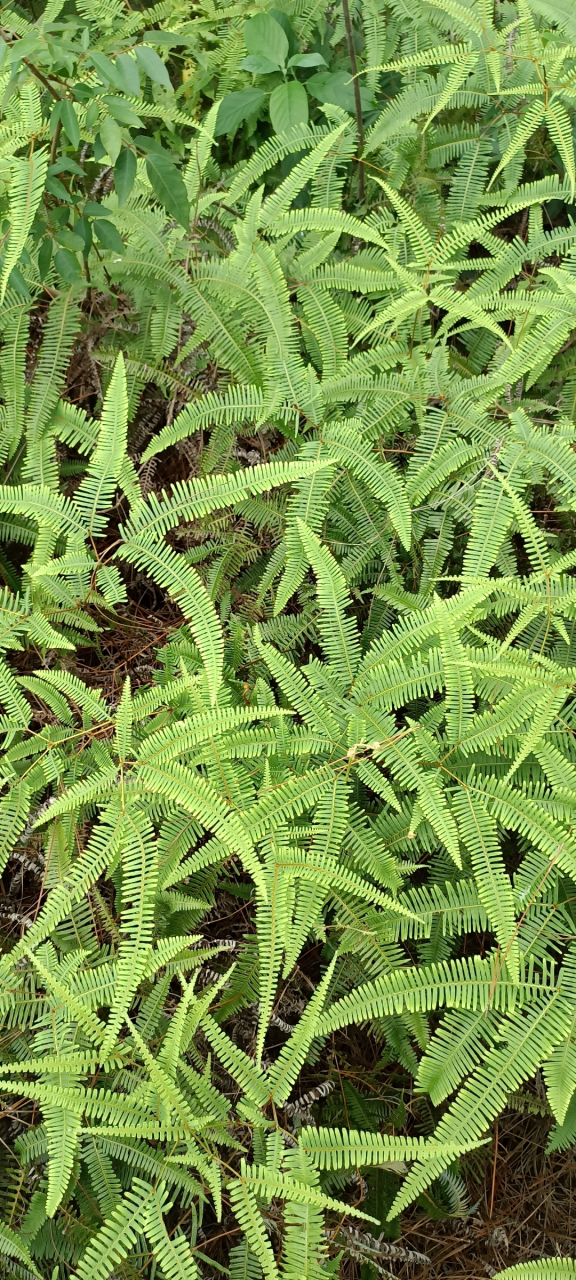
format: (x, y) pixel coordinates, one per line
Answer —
(525, 1209)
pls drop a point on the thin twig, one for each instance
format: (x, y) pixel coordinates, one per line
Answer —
(493, 1188)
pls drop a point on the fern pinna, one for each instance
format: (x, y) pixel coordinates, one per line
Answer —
(356, 484)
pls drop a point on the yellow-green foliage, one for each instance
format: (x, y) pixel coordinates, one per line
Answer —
(364, 726)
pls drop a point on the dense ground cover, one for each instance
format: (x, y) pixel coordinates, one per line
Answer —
(288, 302)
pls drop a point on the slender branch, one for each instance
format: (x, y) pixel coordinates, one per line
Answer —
(357, 100)
(493, 1188)
(6, 34)
(41, 78)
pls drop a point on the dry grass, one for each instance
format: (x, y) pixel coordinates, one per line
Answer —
(524, 1208)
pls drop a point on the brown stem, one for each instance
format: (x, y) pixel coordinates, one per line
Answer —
(99, 256)
(357, 102)
(43, 80)
(493, 1187)
(6, 34)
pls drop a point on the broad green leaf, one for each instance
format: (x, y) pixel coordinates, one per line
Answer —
(70, 122)
(127, 74)
(237, 107)
(106, 233)
(124, 174)
(288, 106)
(151, 64)
(67, 265)
(337, 87)
(111, 135)
(168, 186)
(263, 35)
(259, 65)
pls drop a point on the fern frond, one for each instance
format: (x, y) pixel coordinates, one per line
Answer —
(26, 189)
